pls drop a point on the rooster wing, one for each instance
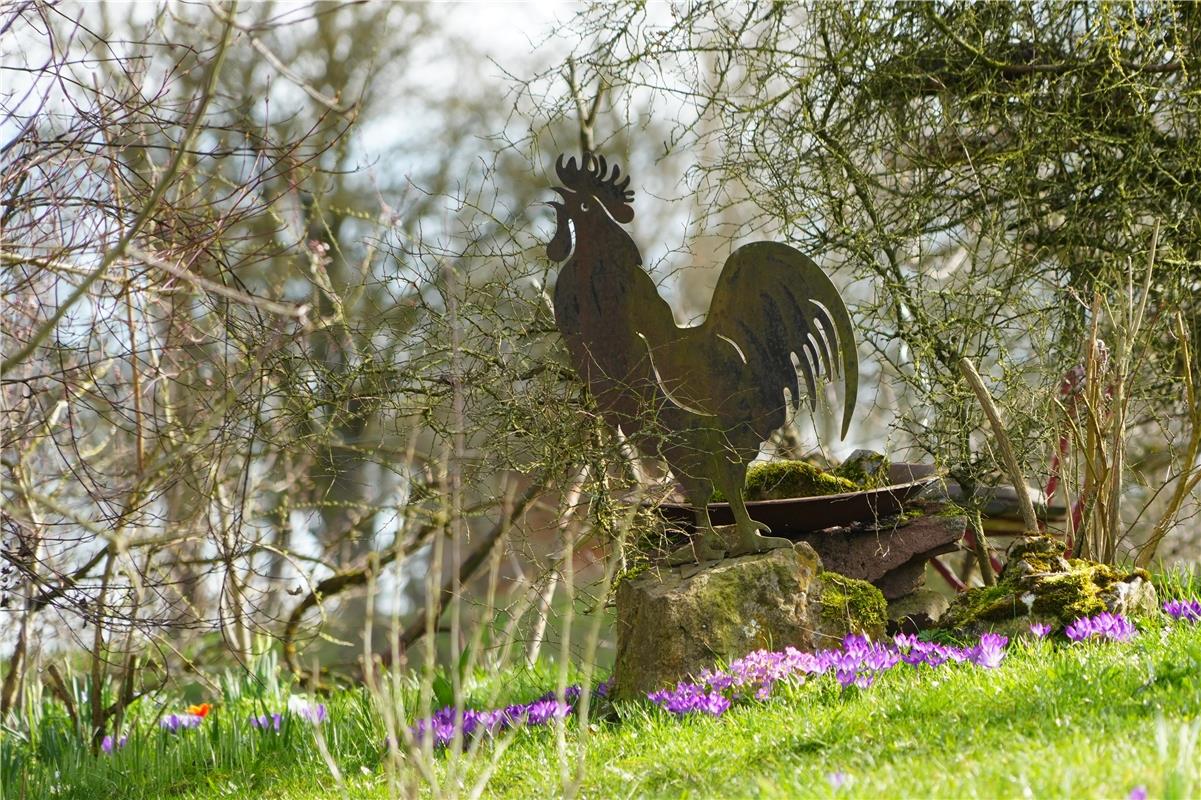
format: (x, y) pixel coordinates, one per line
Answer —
(771, 302)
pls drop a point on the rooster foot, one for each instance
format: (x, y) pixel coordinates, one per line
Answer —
(706, 545)
(747, 540)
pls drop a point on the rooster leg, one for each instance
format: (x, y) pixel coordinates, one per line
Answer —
(746, 537)
(705, 544)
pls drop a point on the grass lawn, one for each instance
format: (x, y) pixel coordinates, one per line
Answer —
(1054, 720)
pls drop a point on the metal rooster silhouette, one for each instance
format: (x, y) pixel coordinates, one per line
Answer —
(702, 398)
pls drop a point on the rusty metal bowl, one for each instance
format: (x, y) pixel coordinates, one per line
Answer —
(808, 514)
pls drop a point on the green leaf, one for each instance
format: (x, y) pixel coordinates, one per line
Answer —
(444, 692)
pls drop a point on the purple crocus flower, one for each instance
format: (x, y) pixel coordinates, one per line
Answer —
(512, 714)
(108, 744)
(1183, 610)
(266, 722)
(855, 643)
(443, 724)
(1079, 630)
(881, 658)
(937, 655)
(1040, 629)
(989, 651)
(855, 663)
(715, 704)
(314, 714)
(827, 660)
(175, 722)
(1103, 626)
(850, 677)
(757, 673)
(690, 698)
(719, 681)
(543, 711)
(837, 779)
(570, 694)
(438, 733)
(1137, 793)
(1114, 626)
(475, 722)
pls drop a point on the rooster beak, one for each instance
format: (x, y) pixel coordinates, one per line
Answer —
(555, 204)
(559, 248)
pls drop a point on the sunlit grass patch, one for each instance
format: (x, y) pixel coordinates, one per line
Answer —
(1097, 718)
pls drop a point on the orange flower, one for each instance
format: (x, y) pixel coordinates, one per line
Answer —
(201, 710)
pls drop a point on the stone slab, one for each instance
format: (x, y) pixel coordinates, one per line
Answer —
(917, 611)
(875, 554)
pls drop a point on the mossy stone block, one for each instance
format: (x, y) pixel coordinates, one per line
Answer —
(674, 623)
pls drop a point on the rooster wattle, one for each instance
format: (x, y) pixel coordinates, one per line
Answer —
(703, 398)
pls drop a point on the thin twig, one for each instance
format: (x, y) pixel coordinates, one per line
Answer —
(160, 189)
(283, 309)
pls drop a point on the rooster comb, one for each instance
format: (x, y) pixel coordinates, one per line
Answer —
(593, 177)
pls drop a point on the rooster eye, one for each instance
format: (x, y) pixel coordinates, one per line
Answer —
(584, 205)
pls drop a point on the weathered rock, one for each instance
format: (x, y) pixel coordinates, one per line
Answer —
(907, 578)
(917, 611)
(672, 623)
(1035, 555)
(1039, 585)
(872, 554)
(864, 467)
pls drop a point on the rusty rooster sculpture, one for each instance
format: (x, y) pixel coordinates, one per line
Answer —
(703, 398)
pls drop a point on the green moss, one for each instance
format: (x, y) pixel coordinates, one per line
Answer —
(984, 603)
(650, 542)
(778, 480)
(951, 509)
(1071, 595)
(630, 573)
(1035, 546)
(867, 472)
(852, 606)
(1047, 587)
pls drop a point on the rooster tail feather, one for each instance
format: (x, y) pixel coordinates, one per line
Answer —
(775, 303)
(833, 327)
